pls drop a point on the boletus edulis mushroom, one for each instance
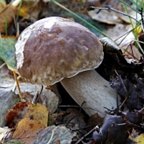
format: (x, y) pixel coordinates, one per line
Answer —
(56, 49)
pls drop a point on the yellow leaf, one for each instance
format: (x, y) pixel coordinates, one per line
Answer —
(35, 119)
(23, 11)
(38, 112)
(27, 130)
(139, 139)
(30, 9)
(138, 29)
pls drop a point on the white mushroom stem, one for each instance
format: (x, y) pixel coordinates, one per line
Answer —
(92, 92)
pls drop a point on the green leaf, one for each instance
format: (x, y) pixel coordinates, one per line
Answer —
(7, 51)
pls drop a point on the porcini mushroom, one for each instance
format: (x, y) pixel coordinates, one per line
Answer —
(56, 49)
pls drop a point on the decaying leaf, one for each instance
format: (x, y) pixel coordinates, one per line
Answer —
(55, 135)
(26, 130)
(31, 119)
(7, 96)
(132, 54)
(15, 114)
(7, 51)
(39, 113)
(104, 16)
(7, 99)
(30, 9)
(34, 120)
(7, 14)
(46, 97)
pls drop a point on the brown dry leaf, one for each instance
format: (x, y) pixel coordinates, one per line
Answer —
(104, 16)
(16, 113)
(7, 14)
(27, 129)
(35, 119)
(7, 97)
(103, 13)
(23, 11)
(118, 31)
(46, 97)
(30, 9)
(132, 54)
(38, 112)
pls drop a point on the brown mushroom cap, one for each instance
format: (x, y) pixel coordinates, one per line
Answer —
(55, 48)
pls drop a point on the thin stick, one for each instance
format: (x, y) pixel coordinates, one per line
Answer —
(115, 10)
(80, 18)
(36, 95)
(18, 86)
(86, 135)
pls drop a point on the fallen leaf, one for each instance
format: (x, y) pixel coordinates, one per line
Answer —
(5, 132)
(46, 97)
(38, 112)
(55, 135)
(104, 16)
(132, 54)
(34, 120)
(118, 31)
(139, 139)
(26, 130)
(7, 99)
(16, 113)
(30, 9)
(7, 14)
(7, 51)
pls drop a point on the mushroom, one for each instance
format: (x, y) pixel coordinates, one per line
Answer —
(56, 49)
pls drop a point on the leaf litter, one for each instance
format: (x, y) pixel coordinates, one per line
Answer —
(122, 66)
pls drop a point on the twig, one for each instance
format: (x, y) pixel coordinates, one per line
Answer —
(125, 35)
(36, 95)
(80, 18)
(1, 66)
(115, 10)
(17, 84)
(68, 106)
(86, 135)
(125, 89)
